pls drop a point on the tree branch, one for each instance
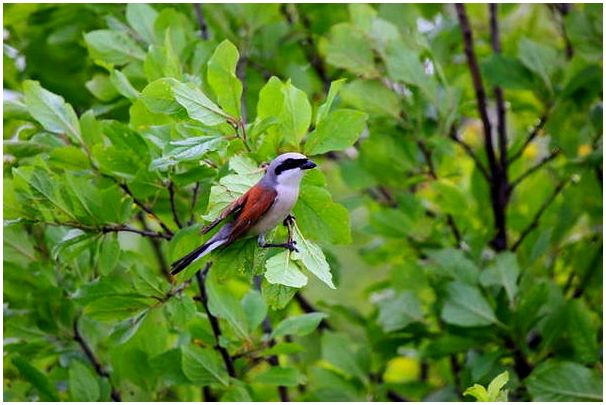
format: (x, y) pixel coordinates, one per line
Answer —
(157, 249)
(498, 91)
(499, 188)
(535, 220)
(107, 229)
(533, 169)
(173, 208)
(470, 153)
(115, 394)
(533, 134)
(307, 307)
(432, 172)
(194, 201)
(148, 210)
(214, 323)
(201, 21)
(477, 84)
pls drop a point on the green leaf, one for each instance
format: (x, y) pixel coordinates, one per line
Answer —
(168, 365)
(190, 149)
(158, 97)
(582, 331)
(283, 348)
(122, 85)
(506, 72)
(37, 379)
(255, 309)
(198, 106)
(478, 392)
(51, 110)
(337, 349)
(109, 253)
(465, 306)
(113, 47)
(312, 258)
(453, 263)
(403, 65)
(496, 385)
(83, 385)
(555, 381)
(141, 17)
(223, 304)
(320, 218)
(101, 87)
(372, 97)
(349, 49)
(281, 269)
(295, 116)
(399, 311)
(324, 109)
(338, 131)
(222, 77)
(277, 296)
(539, 58)
(203, 366)
(300, 325)
(503, 273)
(280, 376)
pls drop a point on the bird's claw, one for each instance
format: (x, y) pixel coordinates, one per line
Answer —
(291, 246)
(289, 220)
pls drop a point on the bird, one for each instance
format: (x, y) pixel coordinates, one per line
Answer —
(259, 210)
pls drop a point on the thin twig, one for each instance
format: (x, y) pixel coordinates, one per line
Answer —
(241, 74)
(115, 394)
(157, 249)
(470, 153)
(145, 208)
(533, 169)
(173, 208)
(214, 323)
(535, 220)
(194, 200)
(531, 136)
(107, 228)
(307, 307)
(432, 172)
(201, 21)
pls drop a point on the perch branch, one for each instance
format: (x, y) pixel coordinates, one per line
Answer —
(145, 208)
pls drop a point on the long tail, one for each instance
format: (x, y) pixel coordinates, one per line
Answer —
(196, 254)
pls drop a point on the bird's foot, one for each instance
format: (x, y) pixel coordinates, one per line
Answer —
(288, 245)
(289, 220)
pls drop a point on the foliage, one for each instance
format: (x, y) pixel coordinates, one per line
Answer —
(450, 238)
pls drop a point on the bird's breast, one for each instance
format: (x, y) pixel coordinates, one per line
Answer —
(285, 200)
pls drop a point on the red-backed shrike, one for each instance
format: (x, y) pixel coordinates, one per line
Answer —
(260, 209)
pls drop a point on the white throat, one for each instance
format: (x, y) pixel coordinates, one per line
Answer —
(290, 178)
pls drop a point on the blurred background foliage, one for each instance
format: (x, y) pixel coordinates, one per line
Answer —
(464, 239)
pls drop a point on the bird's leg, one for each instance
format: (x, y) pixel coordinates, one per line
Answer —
(290, 244)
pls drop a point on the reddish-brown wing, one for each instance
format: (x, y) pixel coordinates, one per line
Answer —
(234, 207)
(258, 200)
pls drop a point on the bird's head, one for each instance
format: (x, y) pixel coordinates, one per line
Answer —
(287, 169)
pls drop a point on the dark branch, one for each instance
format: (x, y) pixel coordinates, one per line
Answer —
(148, 210)
(307, 307)
(115, 394)
(107, 229)
(214, 323)
(241, 74)
(533, 169)
(498, 91)
(173, 208)
(194, 200)
(432, 172)
(535, 220)
(470, 153)
(533, 134)
(157, 249)
(477, 85)
(201, 21)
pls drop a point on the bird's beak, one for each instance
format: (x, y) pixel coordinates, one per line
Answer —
(308, 165)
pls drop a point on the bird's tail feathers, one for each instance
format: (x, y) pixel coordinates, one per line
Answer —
(196, 254)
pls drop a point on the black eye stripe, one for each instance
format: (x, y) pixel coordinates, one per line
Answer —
(289, 164)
